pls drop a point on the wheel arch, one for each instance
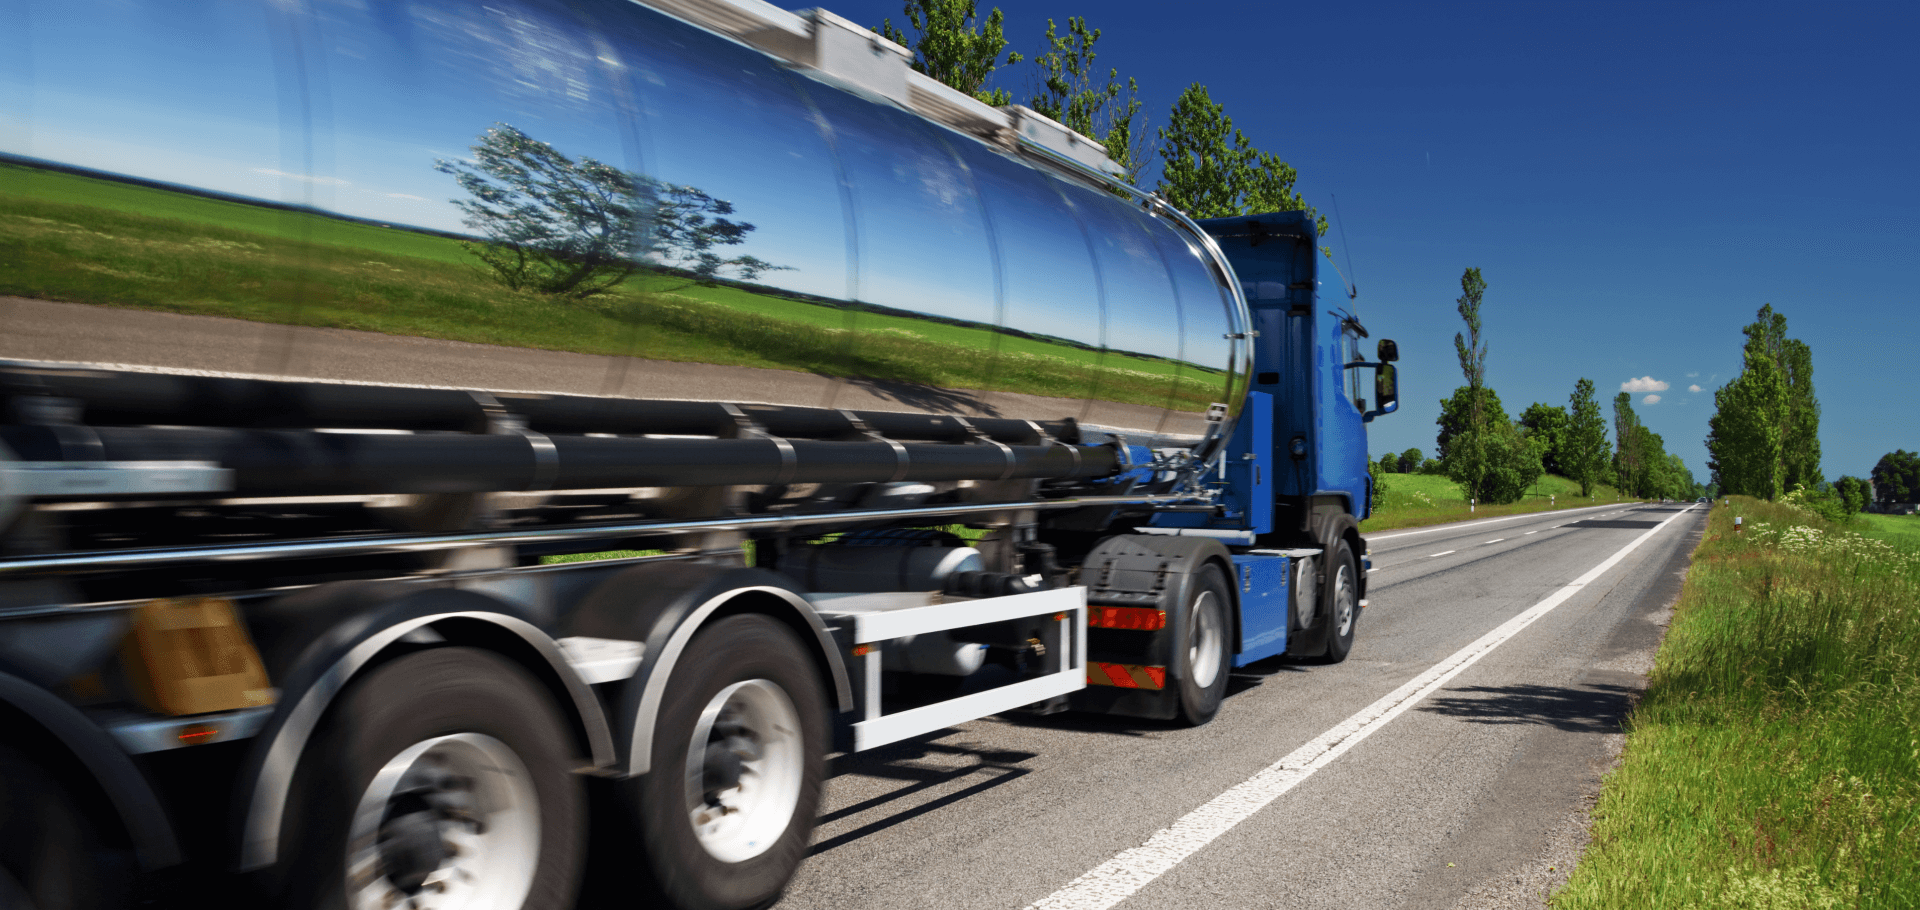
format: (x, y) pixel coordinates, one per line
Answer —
(79, 751)
(665, 606)
(365, 625)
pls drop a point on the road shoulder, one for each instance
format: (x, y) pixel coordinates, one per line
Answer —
(1524, 841)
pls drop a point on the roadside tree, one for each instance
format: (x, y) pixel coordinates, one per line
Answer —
(1209, 169)
(1548, 423)
(1896, 478)
(1107, 110)
(1584, 452)
(1744, 434)
(1853, 493)
(951, 43)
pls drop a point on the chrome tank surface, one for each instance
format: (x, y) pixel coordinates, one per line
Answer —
(577, 198)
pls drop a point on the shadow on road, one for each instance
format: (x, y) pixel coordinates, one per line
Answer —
(895, 762)
(1575, 709)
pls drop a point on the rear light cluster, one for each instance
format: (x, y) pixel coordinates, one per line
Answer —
(1141, 619)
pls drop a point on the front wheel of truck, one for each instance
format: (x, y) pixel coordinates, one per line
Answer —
(1342, 595)
(739, 752)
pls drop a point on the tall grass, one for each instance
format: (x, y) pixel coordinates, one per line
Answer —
(1775, 758)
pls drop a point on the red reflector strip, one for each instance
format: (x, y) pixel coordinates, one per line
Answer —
(1141, 619)
(1126, 676)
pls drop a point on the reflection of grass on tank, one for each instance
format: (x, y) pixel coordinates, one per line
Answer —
(86, 239)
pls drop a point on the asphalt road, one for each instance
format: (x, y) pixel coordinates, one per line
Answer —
(1463, 797)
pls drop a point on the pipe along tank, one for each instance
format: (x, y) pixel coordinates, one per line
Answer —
(340, 333)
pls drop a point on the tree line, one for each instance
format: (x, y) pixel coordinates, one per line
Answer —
(1496, 458)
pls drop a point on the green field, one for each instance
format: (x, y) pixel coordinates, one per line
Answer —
(1774, 761)
(1900, 530)
(1415, 500)
(90, 240)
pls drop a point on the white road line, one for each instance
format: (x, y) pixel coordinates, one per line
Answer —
(1443, 554)
(1531, 532)
(1484, 521)
(1495, 540)
(1124, 875)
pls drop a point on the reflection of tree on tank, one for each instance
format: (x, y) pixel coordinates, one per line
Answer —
(572, 228)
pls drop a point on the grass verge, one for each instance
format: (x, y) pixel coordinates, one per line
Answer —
(1417, 500)
(1774, 761)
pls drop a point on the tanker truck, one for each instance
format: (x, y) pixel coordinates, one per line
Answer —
(433, 433)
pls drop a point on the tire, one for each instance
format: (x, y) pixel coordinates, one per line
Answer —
(450, 747)
(1204, 653)
(744, 706)
(52, 853)
(1341, 592)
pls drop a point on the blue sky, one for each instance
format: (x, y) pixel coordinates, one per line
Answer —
(1633, 180)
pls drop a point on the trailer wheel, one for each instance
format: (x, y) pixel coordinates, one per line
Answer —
(738, 756)
(440, 780)
(52, 854)
(1342, 594)
(1204, 654)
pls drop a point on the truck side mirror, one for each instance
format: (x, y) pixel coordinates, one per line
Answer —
(1386, 390)
(1388, 351)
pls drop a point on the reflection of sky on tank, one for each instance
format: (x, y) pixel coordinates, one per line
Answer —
(197, 95)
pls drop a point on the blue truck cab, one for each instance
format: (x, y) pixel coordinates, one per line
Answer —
(1296, 482)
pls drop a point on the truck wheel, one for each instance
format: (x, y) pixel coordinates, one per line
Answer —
(52, 855)
(1342, 594)
(1204, 655)
(440, 780)
(738, 755)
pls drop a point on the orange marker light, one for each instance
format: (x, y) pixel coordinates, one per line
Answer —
(197, 733)
(1140, 619)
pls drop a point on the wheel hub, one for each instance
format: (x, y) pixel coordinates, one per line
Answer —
(744, 767)
(451, 823)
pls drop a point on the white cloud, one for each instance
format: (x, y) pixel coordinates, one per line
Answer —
(1694, 375)
(1643, 384)
(405, 196)
(1695, 388)
(1651, 399)
(303, 178)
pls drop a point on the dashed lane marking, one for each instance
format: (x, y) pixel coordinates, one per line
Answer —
(1124, 875)
(1495, 540)
(1484, 521)
(1443, 554)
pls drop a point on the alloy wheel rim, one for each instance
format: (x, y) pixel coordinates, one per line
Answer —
(450, 823)
(1343, 601)
(744, 768)
(1206, 642)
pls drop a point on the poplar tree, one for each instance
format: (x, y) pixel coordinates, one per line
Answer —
(1584, 441)
(1466, 451)
(1629, 455)
(1799, 456)
(1765, 435)
(1745, 433)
